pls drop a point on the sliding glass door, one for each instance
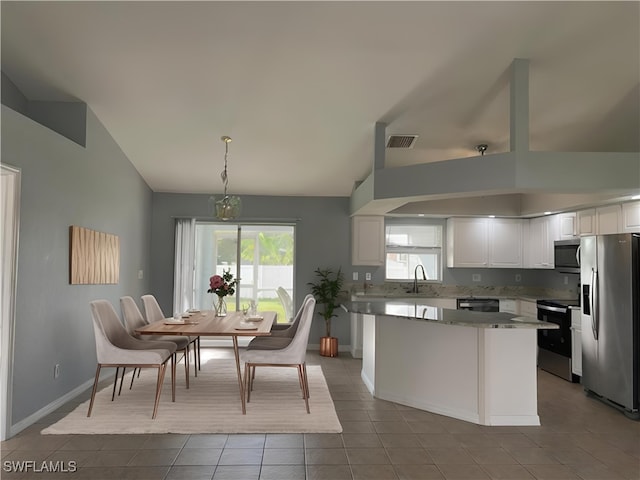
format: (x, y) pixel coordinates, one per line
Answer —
(261, 256)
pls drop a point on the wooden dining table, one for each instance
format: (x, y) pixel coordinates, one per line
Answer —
(205, 323)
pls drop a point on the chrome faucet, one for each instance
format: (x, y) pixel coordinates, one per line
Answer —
(415, 278)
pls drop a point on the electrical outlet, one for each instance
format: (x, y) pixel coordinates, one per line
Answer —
(355, 276)
(56, 370)
(476, 277)
(518, 277)
(367, 276)
(140, 274)
(566, 280)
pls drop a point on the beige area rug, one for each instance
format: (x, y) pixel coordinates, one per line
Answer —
(211, 405)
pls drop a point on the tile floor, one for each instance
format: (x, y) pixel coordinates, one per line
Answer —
(580, 438)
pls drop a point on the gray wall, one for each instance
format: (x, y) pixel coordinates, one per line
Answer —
(322, 240)
(66, 184)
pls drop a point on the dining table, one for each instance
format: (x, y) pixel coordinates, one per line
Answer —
(205, 323)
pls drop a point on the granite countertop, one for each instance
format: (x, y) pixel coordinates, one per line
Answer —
(422, 311)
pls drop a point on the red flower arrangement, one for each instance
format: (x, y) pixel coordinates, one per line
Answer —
(222, 285)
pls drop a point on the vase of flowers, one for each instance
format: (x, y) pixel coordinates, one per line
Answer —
(222, 285)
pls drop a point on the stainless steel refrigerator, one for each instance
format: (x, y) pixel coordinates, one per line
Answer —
(610, 285)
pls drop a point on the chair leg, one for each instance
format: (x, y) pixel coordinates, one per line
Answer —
(306, 379)
(253, 376)
(161, 370)
(186, 364)
(173, 377)
(124, 370)
(133, 376)
(115, 384)
(305, 389)
(247, 381)
(93, 391)
(198, 340)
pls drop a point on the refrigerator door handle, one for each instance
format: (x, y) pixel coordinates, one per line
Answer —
(594, 303)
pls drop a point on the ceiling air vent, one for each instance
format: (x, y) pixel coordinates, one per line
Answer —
(401, 141)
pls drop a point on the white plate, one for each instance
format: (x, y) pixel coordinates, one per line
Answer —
(257, 318)
(246, 326)
(180, 322)
(194, 310)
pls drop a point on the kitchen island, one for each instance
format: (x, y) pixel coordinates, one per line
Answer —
(473, 366)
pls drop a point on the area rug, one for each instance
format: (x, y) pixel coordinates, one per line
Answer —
(210, 405)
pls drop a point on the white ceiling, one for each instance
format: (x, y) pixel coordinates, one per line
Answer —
(300, 85)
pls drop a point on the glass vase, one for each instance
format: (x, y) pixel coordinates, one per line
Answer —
(220, 307)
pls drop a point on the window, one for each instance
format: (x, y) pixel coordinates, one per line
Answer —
(408, 246)
(261, 256)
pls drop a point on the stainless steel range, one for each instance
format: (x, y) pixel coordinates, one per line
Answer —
(554, 354)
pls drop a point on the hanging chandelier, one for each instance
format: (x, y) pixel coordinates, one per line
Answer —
(228, 207)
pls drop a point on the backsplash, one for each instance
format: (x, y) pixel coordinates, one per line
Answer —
(456, 291)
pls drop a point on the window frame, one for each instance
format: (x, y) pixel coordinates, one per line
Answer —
(415, 250)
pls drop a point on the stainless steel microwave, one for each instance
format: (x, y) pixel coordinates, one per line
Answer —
(566, 255)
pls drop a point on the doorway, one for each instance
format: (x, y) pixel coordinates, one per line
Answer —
(10, 208)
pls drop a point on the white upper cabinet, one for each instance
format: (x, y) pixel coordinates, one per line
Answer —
(542, 233)
(467, 242)
(631, 217)
(367, 240)
(505, 243)
(484, 243)
(567, 226)
(587, 222)
(609, 219)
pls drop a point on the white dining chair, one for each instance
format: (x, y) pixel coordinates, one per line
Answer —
(291, 354)
(133, 320)
(286, 301)
(153, 312)
(116, 348)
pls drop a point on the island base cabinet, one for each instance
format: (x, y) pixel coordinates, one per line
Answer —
(485, 376)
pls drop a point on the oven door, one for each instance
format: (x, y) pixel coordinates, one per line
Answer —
(557, 340)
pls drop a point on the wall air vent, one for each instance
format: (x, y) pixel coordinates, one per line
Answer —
(402, 141)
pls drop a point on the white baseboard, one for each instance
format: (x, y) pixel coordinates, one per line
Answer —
(53, 406)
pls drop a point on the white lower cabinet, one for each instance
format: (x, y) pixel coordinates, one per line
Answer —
(356, 335)
(528, 308)
(509, 305)
(576, 342)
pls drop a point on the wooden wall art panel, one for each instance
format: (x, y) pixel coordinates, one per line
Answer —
(94, 257)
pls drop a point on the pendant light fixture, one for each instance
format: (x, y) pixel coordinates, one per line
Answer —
(228, 207)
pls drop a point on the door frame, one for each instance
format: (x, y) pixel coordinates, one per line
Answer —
(10, 207)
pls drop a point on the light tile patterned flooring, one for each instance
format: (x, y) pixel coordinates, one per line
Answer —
(580, 438)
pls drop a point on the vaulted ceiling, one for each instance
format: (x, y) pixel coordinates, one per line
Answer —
(299, 86)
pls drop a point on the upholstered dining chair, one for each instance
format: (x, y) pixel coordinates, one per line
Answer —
(116, 348)
(289, 331)
(153, 312)
(286, 301)
(133, 320)
(292, 354)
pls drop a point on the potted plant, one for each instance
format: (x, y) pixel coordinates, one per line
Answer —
(326, 291)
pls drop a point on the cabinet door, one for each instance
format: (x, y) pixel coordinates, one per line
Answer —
(367, 247)
(609, 219)
(508, 305)
(505, 243)
(631, 217)
(540, 243)
(567, 228)
(467, 242)
(528, 308)
(587, 222)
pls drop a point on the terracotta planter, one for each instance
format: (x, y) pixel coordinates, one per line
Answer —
(329, 346)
